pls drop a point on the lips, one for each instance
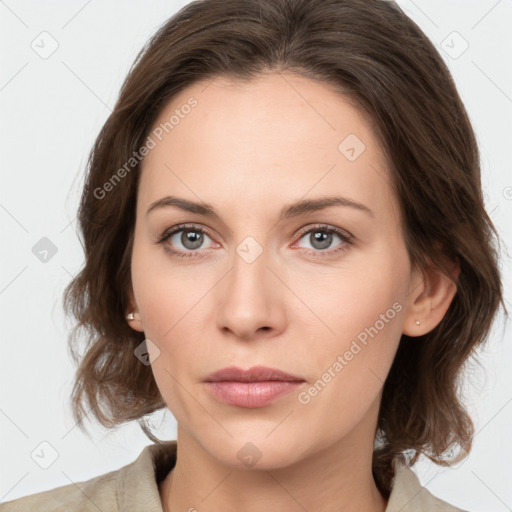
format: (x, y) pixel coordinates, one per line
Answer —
(254, 374)
(258, 386)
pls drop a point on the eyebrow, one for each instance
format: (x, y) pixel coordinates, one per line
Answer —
(289, 211)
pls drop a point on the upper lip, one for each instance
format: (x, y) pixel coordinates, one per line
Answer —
(254, 374)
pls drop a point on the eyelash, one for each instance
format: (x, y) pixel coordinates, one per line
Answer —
(346, 238)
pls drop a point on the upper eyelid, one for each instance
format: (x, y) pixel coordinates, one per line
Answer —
(183, 227)
(325, 227)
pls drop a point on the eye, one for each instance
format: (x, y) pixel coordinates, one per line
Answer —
(187, 238)
(321, 237)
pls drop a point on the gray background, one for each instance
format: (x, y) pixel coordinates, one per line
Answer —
(52, 107)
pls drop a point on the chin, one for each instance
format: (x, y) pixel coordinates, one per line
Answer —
(257, 453)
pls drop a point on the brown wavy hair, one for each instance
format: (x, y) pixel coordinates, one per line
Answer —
(371, 51)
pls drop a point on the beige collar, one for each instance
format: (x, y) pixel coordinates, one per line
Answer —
(138, 484)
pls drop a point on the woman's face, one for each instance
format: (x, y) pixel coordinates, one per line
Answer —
(268, 283)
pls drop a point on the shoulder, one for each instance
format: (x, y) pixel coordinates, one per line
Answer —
(96, 493)
(408, 495)
(132, 487)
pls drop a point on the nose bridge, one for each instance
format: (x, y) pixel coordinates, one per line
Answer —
(249, 274)
(248, 299)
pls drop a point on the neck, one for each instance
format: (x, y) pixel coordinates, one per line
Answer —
(336, 477)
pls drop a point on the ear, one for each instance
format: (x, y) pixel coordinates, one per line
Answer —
(431, 295)
(136, 323)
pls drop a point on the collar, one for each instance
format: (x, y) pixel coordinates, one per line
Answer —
(138, 484)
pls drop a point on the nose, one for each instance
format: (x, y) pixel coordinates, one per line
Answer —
(250, 300)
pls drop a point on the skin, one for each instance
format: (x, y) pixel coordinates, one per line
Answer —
(248, 150)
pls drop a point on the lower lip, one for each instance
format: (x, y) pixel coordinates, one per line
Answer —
(251, 394)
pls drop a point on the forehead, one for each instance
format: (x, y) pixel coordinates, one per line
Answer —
(278, 136)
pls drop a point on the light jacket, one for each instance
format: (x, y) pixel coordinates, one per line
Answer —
(134, 488)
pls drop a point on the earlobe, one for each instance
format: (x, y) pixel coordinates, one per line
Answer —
(433, 296)
(134, 321)
(132, 316)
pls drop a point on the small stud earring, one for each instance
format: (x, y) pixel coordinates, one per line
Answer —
(130, 316)
(417, 322)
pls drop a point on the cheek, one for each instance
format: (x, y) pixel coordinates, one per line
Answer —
(172, 312)
(168, 316)
(358, 315)
(158, 291)
(349, 367)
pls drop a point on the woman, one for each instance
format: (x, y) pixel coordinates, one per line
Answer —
(286, 245)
